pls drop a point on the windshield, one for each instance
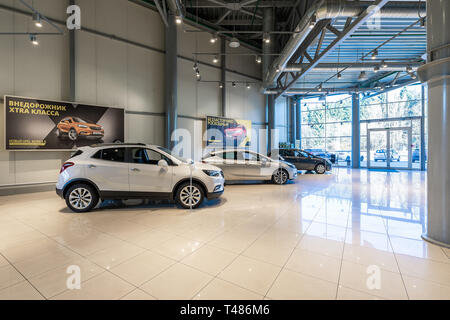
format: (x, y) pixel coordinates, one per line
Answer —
(76, 119)
(174, 155)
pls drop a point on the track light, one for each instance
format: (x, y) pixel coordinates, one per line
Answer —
(277, 68)
(248, 86)
(376, 69)
(233, 84)
(195, 67)
(34, 40)
(216, 59)
(374, 54)
(384, 64)
(339, 75)
(37, 20)
(362, 76)
(313, 21)
(409, 69)
(320, 88)
(413, 76)
(214, 38)
(266, 37)
(423, 22)
(221, 85)
(178, 19)
(258, 59)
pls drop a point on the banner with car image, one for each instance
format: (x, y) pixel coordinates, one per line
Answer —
(35, 124)
(226, 132)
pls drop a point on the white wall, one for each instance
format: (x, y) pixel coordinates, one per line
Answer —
(113, 73)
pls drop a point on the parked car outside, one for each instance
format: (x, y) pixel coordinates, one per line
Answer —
(248, 165)
(416, 156)
(74, 127)
(381, 155)
(135, 171)
(303, 160)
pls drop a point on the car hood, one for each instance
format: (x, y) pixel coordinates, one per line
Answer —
(89, 124)
(205, 166)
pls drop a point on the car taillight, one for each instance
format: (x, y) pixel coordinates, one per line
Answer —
(66, 166)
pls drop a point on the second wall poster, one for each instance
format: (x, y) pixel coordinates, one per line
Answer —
(226, 132)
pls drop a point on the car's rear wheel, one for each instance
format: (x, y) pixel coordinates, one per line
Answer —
(81, 198)
(320, 169)
(73, 135)
(190, 196)
(280, 177)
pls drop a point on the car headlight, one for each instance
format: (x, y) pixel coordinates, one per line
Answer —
(82, 126)
(212, 173)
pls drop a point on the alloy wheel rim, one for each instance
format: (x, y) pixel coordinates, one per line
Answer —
(321, 168)
(72, 135)
(280, 177)
(80, 198)
(190, 196)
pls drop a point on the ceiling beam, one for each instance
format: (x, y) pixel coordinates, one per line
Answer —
(247, 4)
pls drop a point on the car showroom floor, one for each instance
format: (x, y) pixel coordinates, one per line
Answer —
(316, 238)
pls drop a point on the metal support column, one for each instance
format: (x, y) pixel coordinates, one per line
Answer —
(436, 74)
(423, 153)
(292, 120)
(72, 70)
(171, 93)
(298, 123)
(223, 75)
(356, 132)
(271, 120)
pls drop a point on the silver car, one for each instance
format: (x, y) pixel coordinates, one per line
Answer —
(249, 165)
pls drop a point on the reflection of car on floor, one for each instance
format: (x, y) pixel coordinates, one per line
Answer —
(380, 155)
(74, 127)
(249, 165)
(135, 171)
(322, 154)
(303, 160)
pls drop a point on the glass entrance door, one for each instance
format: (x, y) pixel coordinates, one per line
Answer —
(389, 148)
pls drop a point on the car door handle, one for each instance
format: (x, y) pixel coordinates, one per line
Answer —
(135, 170)
(92, 166)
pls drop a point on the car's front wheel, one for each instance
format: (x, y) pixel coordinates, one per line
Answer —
(190, 196)
(280, 177)
(81, 198)
(320, 168)
(73, 135)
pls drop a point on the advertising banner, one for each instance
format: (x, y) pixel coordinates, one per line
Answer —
(225, 132)
(34, 124)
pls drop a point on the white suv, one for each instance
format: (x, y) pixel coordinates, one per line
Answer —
(135, 171)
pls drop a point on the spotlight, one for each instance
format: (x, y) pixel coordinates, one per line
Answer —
(376, 69)
(339, 75)
(423, 22)
(266, 37)
(37, 20)
(234, 43)
(248, 86)
(258, 59)
(409, 69)
(313, 21)
(195, 67)
(34, 40)
(413, 76)
(233, 84)
(374, 54)
(320, 88)
(362, 76)
(221, 85)
(277, 68)
(178, 19)
(214, 38)
(216, 59)
(384, 64)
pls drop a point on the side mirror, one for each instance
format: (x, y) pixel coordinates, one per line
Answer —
(163, 164)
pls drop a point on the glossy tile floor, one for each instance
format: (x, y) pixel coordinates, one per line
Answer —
(348, 235)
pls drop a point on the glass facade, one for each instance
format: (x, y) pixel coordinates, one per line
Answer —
(327, 127)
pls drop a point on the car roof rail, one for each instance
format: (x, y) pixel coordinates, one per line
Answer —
(100, 145)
